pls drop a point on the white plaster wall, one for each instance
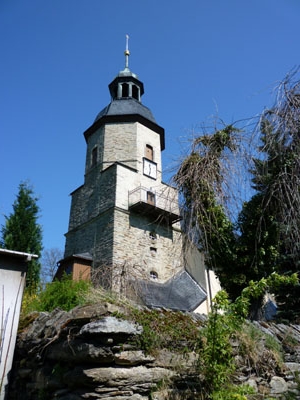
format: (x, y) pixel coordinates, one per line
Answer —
(194, 261)
(147, 136)
(212, 287)
(11, 290)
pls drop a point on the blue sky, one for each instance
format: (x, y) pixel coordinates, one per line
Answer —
(196, 58)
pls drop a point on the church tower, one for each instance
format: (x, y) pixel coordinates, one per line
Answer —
(124, 221)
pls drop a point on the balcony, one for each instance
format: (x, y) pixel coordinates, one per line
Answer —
(161, 207)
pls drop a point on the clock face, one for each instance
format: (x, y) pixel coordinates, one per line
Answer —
(150, 168)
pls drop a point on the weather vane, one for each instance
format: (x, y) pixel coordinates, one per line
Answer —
(126, 52)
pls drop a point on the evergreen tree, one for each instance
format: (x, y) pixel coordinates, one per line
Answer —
(22, 232)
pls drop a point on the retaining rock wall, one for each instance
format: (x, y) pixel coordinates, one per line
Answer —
(87, 353)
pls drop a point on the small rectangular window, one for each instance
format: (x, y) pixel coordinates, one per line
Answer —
(149, 152)
(153, 251)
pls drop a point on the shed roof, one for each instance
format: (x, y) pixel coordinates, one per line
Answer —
(17, 254)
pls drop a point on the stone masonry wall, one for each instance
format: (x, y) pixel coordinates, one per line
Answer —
(96, 140)
(93, 198)
(120, 144)
(91, 216)
(134, 244)
(100, 224)
(88, 353)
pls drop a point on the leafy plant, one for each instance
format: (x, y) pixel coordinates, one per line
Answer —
(65, 294)
(233, 392)
(225, 321)
(216, 361)
(30, 302)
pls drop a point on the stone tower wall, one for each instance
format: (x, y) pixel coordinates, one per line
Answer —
(93, 198)
(124, 143)
(131, 230)
(95, 238)
(120, 144)
(134, 243)
(101, 224)
(91, 216)
(95, 140)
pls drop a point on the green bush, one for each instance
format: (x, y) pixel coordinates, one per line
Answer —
(65, 294)
(216, 362)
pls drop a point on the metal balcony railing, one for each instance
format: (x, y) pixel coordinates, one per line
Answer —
(154, 204)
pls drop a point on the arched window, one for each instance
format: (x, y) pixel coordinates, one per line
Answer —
(135, 92)
(152, 235)
(125, 90)
(149, 152)
(153, 275)
(153, 251)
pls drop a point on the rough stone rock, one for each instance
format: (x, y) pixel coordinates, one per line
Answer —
(252, 383)
(111, 326)
(172, 394)
(292, 366)
(88, 354)
(46, 325)
(88, 312)
(166, 359)
(132, 358)
(78, 351)
(278, 385)
(36, 328)
(129, 377)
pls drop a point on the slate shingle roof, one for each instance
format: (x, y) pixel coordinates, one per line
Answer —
(126, 106)
(181, 292)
